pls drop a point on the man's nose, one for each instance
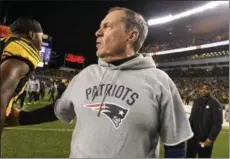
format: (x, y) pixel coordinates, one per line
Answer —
(98, 33)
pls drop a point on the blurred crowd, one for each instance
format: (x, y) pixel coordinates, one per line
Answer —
(51, 83)
(189, 88)
(199, 72)
(50, 87)
(193, 57)
(189, 80)
(39, 88)
(55, 73)
(194, 40)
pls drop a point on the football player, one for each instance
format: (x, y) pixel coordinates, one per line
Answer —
(19, 57)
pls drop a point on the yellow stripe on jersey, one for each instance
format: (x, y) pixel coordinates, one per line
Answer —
(21, 49)
(33, 52)
(10, 106)
(13, 100)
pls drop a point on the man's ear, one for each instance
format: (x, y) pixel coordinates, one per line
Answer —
(133, 36)
(31, 34)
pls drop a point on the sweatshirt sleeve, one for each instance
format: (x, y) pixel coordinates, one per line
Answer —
(64, 108)
(174, 125)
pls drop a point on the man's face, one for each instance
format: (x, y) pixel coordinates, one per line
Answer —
(111, 36)
(204, 90)
(37, 40)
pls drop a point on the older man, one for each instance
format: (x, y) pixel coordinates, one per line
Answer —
(124, 103)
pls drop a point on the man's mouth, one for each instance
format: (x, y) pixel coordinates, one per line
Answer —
(98, 44)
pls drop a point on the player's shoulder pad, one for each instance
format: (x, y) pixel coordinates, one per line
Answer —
(19, 47)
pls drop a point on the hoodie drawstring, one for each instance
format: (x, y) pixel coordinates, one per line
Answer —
(94, 95)
(104, 97)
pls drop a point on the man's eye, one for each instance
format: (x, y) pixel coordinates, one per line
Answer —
(106, 25)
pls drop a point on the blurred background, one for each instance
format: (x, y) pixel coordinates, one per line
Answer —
(189, 40)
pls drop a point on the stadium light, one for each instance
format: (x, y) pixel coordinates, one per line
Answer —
(45, 36)
(40, 64)
(160, 20)
(222, 2)
(210, 5)
(220, 43)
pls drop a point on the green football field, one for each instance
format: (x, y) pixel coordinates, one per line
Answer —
(52, 140)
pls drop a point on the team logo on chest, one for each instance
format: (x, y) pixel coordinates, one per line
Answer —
(114, 112)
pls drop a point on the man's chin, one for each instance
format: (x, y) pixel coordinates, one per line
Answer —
(39, 48)
(204, 95)
(100, 54)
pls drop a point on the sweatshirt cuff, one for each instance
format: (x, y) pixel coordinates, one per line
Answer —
(177, 151)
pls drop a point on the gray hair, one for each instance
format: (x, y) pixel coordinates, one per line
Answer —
(134, 20)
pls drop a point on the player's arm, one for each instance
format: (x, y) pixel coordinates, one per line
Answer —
(38, 116)
(62, 110)
(12, 70)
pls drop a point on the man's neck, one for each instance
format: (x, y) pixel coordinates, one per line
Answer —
(22, 36)
(205, 97)
(117, 57)
(121, 61)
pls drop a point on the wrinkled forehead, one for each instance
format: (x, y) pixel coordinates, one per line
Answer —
(114, 17)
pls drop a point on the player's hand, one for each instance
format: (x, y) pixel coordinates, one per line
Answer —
(207, 143)
(13, 118)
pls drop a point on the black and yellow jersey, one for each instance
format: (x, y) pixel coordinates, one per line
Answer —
(21, 49)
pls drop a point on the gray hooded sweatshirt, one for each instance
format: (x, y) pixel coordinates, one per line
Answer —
(122, 111)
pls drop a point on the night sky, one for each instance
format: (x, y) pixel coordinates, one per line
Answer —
(73, 24)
